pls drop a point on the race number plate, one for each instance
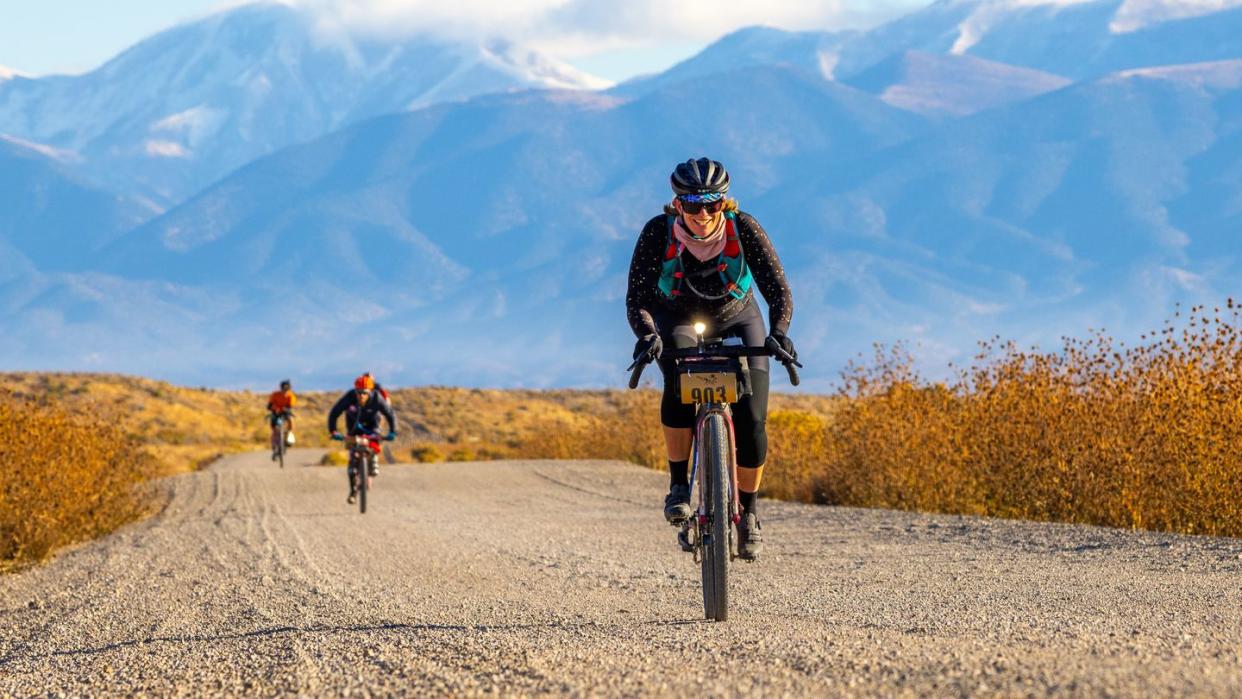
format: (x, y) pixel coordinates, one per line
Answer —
(708, 387)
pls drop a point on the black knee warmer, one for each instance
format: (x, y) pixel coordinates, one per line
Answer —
(750, 422)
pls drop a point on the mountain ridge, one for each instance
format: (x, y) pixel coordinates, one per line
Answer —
(186, 106)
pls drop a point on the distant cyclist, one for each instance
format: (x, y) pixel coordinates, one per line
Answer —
(701, 260)
(362, 407)
(280, 405)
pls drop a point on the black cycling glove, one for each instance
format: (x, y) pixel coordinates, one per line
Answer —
(649, 347)
(780, 340)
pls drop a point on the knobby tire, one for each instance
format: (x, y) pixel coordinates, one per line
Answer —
(715, 452)
(364, 475)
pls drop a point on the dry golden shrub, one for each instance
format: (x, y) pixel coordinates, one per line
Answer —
(63, 478)
(426, 454)
(619, 425)
(334, 457)
(182, 428)
(1138, 437)
(796, 453)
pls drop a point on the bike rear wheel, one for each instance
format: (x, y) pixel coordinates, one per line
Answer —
(715, 453)
(284, 434)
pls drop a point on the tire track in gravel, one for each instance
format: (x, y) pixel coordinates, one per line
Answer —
(561, 577)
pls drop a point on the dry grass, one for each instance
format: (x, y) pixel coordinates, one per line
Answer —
(65, 478)
(181, 428)
(608, 425)
(1135, 437)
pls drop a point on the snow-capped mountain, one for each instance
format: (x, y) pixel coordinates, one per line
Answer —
(190, 104)
(1018, 167)
(502, 226)
(1046, 217)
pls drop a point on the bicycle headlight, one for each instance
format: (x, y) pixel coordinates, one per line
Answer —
(700, 328)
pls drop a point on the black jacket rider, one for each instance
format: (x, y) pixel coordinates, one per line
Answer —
(362, 419)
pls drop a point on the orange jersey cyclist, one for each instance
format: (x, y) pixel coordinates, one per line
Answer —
(280, 405)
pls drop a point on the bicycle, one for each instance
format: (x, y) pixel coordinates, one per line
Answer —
(280, 436)
(713, 376)
(362, 453)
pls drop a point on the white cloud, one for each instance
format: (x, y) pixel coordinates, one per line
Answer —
(1185, 279)
(572, 28)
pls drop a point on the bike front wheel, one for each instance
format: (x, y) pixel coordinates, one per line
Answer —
(364, 477)
(715, 453)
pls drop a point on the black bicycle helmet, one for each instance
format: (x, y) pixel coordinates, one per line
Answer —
(285, 385)
(702, 176)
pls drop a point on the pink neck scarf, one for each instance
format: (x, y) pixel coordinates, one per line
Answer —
(707, 248)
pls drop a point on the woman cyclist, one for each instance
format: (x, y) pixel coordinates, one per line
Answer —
(700, 260)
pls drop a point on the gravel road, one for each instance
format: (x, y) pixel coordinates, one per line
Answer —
(561, 577)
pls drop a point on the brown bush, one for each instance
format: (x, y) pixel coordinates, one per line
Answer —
(1143, 437)
(335, 457)
(796, 451)
(623, 426)
(66, 478)
(426, 454)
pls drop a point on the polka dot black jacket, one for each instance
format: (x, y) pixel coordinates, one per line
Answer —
(643, 298)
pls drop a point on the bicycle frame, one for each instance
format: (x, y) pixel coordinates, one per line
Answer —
(360, 455)
(360, 450)
(704, 411)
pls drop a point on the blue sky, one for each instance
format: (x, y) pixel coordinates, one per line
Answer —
(612, 39)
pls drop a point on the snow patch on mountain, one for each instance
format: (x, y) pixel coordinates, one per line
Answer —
(1216, 75)
(165, 149)
(7, 73)
(987, 15)
(58, 154)
(535, 68)
(1129, 16)
(1139, 14)
(194, 125)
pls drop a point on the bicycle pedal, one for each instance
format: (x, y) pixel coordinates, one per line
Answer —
(683, 540)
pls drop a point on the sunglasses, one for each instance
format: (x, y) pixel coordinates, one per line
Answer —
(694, 207)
